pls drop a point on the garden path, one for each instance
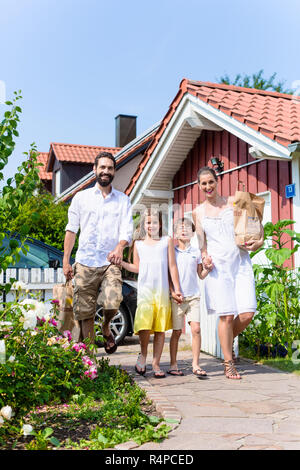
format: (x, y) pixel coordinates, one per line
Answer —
(261, 411)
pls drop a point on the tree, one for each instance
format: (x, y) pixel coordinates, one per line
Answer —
(45, 219)
(256, 80)
(17, 189)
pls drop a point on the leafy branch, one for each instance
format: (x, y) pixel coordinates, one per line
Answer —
(18, 188)
(256, 80)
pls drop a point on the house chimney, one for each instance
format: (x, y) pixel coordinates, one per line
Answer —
(125, 129)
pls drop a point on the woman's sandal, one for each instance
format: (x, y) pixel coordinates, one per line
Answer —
(142, 369)
(200, 373)
(230, 371)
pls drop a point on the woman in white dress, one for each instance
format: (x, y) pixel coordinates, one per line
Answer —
(229, 287)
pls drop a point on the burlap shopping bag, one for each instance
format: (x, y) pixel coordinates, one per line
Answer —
(247, 215)
(66, 321)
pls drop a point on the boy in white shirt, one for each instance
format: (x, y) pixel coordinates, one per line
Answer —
(190, 267)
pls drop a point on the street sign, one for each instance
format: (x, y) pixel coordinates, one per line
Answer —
(290, 190)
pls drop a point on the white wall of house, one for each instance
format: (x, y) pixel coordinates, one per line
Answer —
(125, 173)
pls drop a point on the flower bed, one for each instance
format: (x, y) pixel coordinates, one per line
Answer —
(40, 367)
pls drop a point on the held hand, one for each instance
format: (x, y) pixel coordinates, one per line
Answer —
(207, 263)
(177, 296)
(68, 271)
(116, 256)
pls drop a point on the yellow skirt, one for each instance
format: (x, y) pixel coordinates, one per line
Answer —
(154, 316)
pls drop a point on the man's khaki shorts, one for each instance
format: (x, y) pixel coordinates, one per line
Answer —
(86, 289)
(189, 307)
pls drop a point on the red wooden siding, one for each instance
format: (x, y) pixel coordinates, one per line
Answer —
(270, 175)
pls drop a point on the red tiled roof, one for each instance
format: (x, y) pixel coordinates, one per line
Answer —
(79, 153)
(120, 160)
(43, 158)
(275, 115)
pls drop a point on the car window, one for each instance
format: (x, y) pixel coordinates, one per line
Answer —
(38, 255)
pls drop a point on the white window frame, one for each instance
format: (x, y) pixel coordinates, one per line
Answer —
(57, 182)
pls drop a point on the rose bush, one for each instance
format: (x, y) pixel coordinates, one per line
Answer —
(39, 365)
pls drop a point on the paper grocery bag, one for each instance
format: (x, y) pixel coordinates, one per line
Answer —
(66, 321)
(248, 210)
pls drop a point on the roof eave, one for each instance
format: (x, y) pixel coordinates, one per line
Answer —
(138, 145)
(267, 147)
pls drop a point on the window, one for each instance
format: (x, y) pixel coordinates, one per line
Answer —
(57, 183)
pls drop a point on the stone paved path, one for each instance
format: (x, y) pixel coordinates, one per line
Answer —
(261, 411)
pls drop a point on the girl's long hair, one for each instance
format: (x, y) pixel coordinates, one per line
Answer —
(140, 232)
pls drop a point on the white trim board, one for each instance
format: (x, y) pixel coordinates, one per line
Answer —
(296, 202)
(259, 141)
(89, 176)
(187, 110)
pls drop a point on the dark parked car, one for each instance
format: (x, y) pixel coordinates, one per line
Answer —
(39, 255)
(122, 323)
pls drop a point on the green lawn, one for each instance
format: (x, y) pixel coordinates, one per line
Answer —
(284, 364)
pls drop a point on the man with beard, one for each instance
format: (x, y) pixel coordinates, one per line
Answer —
(104, 218)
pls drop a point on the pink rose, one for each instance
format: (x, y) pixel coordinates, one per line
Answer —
(67, 334)
(91, 373)
(87, 361)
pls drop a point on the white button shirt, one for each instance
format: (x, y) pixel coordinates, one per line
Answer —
(103, 222)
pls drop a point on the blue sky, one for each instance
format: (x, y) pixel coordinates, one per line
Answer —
(79, 63)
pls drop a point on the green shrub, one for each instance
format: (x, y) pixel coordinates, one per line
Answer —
(45, 220)
(18, 188)
(277, 322)
(38, 364)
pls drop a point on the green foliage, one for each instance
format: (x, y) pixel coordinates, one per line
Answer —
(45, 220)
(285, 364)
(40, 364)
(277, 323)
(17, 189)
(114, 406)
(41, 368)
(256, 80)
(43, 440)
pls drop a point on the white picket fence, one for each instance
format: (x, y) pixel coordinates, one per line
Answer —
(36, 279)
(209, 331)
(43, 280)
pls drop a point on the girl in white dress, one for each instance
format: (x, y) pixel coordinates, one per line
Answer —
(229, 287)
(153, 260)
